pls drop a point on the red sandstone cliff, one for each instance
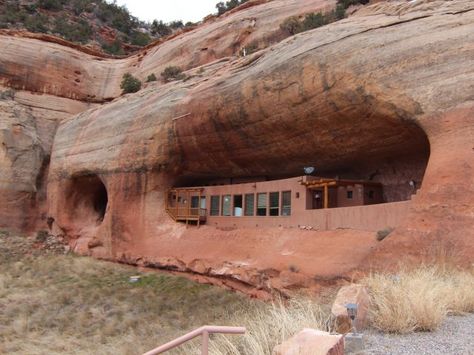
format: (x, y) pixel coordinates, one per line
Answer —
(386, 91)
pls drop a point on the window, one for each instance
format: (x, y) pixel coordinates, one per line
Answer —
(238, 205)
(261, 204)
(194, 201)
(226, 202)
(274, 203)
(215, 202)
(249, 205)
(349, 195)
(286, 203)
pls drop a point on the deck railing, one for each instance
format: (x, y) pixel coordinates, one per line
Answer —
(204, 332)
(185, 212)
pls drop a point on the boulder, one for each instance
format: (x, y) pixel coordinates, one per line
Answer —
(311, 342)
(356, 294)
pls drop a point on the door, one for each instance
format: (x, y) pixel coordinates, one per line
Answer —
(317, 199)
(194, 205)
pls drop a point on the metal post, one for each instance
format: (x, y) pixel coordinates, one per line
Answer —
(205, 343)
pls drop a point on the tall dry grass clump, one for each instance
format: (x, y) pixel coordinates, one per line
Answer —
(267, 326)
(419, 299)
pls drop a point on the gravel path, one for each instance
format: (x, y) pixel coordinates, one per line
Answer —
(455, 336)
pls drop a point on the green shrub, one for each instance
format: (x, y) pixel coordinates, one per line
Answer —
(160, 28)
(342, 5)
(172, 73)
(36, 23)
(222, 7)
(383, 233)
(54, 5)
(314, 20)
(42, 235)
(130, 84)
(138, 38)
(80, 6)
(114, 48)
(12, 13)
(176, 24)
(250, 48)
(75, 32)
(151, 77)
(291, 25)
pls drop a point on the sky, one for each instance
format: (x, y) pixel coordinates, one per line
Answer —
(170, 10)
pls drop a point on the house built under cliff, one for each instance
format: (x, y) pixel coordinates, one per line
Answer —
(308, 201)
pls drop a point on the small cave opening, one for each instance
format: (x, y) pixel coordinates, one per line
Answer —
(86, 200)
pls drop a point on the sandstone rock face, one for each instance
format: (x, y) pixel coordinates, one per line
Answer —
(28, 124)
(311, 342)
(385, 94)
(354, 294)
(50, 67)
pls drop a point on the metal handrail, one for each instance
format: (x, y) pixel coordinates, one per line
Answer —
(204, 331)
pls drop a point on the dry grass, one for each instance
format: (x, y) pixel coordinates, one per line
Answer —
(419, 299)
(66, 304)
(267, 326)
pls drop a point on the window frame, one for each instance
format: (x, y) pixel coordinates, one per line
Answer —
(223, 206)
(246, 214)
(284, 207)
(258, 209)
(211, 210)
(271, 208)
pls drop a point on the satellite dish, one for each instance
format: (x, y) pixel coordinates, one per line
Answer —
(309, 170)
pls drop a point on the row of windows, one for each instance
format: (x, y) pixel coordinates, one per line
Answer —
(250, 205)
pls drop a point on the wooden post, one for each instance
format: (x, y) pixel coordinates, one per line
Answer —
(326, 196)
(188, 203)
(199, 209)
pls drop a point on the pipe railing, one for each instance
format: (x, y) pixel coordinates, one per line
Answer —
(204, 331)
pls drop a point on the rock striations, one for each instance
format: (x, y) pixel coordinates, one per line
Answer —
(387, 92)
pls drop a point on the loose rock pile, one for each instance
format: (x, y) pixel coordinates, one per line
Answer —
(51, 243)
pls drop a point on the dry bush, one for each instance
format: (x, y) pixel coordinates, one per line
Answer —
(419, 299)
(267, 326)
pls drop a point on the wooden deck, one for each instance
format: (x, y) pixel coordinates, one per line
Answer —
(178, 206)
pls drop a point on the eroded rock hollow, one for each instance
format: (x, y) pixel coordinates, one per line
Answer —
(385, 95)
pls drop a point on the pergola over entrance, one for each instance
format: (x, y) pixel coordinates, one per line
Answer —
(326, 183)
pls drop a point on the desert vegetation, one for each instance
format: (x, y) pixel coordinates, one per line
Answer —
(172, 73)
(222, 7)
(419, 299)
(151, 77)
(55, 303)
(294, 24)
(80, 21)
(130, 84)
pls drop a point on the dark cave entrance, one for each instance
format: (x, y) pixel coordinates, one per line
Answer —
(100, 199)
(87, 200)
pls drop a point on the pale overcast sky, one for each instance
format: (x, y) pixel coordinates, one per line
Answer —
(170, 10)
